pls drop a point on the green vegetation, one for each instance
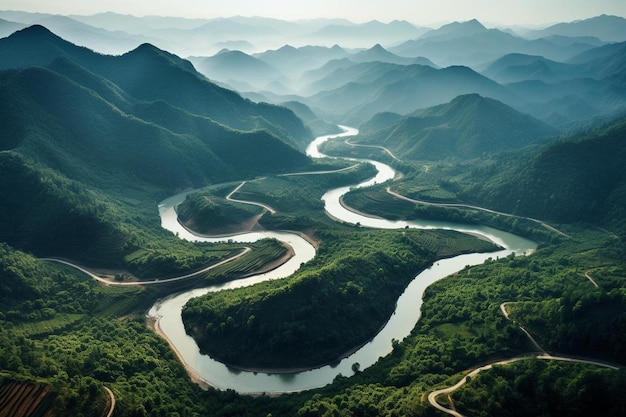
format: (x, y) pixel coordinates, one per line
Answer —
(354, 283)
(462, 327)
(378, 201)
(90, 144)
(212, 215)
(580, 179)
(467, 127)
(534, 387)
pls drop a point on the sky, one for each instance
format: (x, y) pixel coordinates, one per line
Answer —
(419, 12)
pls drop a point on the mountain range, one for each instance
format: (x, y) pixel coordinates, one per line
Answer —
(467, 127)
(113, 33)
(106, 110)
(577, 179)
(470, 43)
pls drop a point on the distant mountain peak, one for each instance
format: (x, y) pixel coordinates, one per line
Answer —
(475, 22)
(34, 31)
(473, 25)
(456, 30)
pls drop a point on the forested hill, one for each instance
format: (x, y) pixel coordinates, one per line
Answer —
(578, 179)
(89, 143)
(467, 127)
(145, 117)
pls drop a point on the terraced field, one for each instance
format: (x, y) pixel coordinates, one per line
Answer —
(24, 399)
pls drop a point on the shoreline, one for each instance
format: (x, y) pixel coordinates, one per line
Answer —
(153, 324)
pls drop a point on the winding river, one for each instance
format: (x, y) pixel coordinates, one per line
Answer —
(167, 312)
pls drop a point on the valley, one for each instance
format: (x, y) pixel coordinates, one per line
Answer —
(207, 236)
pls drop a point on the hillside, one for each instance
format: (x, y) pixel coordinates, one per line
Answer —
(236, 68)
(471, 43)
(467, 127)
(384, 87)
(34, 214)
(149, 74)
(76, 131)
(113, 135)
(581, 179)
(353, 283)
(520, 67)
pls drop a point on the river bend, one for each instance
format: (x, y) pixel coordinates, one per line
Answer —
(167, 312)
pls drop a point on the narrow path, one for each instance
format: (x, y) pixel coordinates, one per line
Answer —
(151, 282)
(591, 279)
(347, 141)
(229, 197)
(292, 174)
(532, 339)
(460, 205)
(432, 397)
(112, 400)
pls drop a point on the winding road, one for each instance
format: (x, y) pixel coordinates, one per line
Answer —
(387, 151)
(150, 282)
(111, 400)
(432, 397)
(461, 205)
(229, 197)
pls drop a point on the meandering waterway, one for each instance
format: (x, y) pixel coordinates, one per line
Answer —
(167, 312)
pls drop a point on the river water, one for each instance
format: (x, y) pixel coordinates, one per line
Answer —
(408, 309)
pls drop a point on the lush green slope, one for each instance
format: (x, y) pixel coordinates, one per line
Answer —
(77, 131)
(382, 87)
(210, 214)
(467, 127)
(46, 214)
(110, 136)
(149, 74)
(43, 212)
(531, 388)
(353, 283)
(578, 179)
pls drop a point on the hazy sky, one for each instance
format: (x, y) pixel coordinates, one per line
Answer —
(421, 12)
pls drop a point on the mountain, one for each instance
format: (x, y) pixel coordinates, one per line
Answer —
(378, 53)
(313, 121)
(117, 33)
(455, 30)
(591, 84)
(470, 43)
(605, 62)
(138, 25)
(148, 74)
(469, 126)
(356, 35)
(293, 61)
(35, 202)
(577, 179)
(83, 135)
(346, 72)
(520, 67)
(235, 67)
(97, 39)
(604, 27)
(402, 89)
(564, 102)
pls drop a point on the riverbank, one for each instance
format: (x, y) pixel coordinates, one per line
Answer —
(153, 324)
